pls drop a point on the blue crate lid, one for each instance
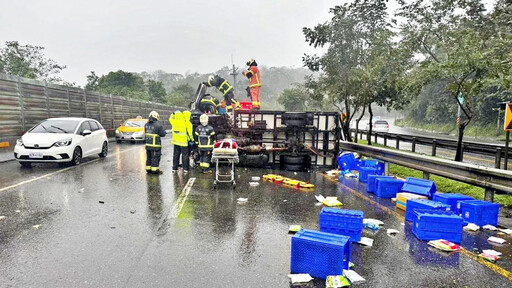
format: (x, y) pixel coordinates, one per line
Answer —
(390, 180)
(439, 214)
(452, 196)
(342, 211)
(478, 203)
(426, 202)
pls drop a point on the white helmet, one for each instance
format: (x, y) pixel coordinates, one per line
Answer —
(203, 119)
(210, 78)
(154, 114)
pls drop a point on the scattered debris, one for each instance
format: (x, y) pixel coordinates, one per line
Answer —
(496, 240)
(490, 227)
(374, 221)
(133, 211)
(111, 178)
(254, 183)
(255, 178)
(300, 278)
(350, 175)
(112, 227)
(242, 200)
(392, 232)
(285, 200)
(393, 200)
(366, 241)
(371, 225)
(506, 231)
(81, 190)
(403, 224)
(17, 211)
(333, 173)
(351, 265)
(492, 252)
(2, 218)
(352, 276)
(490, 258)
(294, 228)
(471, 227)
(444, 245)
(336, 281)
(36, 226)
(328, 201)
(102, 202)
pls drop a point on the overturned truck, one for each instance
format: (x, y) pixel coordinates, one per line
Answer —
(294, 141)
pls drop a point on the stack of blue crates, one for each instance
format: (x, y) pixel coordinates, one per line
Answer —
(387, 188)
(371, 187)
(364, 172)
(419, 186)
(415, 204)
(319, 254)
(479, 212)
(451, 199)
(342, 221)
(434, 225)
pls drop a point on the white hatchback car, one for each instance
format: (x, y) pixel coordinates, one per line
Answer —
(62, 140)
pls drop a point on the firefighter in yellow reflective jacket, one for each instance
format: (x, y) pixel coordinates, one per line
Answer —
(181, 136)
(204, 139)
(153, 130)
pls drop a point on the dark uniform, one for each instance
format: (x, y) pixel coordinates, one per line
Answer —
(209, 104)
(225, 88)
(154, 130)
(204, 138)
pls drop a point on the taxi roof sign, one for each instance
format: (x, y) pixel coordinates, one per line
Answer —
(508, 117)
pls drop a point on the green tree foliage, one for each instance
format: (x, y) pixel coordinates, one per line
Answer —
(299, 98)
(181, 95)
(156, 91)
(28, 61)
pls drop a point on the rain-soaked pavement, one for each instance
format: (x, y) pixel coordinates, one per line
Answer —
(106, 223)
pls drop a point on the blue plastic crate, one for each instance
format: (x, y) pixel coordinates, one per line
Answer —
(342, 221)
(419, 186)
(479, 212)
(415, 204)
(371, 187)
(364, 172)
(319, 254)
(387, 188)
(434, 224)
(451, 199)
(347, 161)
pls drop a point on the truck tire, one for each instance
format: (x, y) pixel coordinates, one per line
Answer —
(292, 167)
(295, 160)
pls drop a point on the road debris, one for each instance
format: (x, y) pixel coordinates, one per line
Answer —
(253, 184)
(371, 225)
(471, 227)
(300, 278)
(36, 226)
(333, 173)
(352, 276)
(366, 241)
(490, 227)
(351, 265)
(2, 218)
(444, 245)
(496, 240)
(490, 258)
(294, 228)
(133, 211)
(255, 178)
(506, 231)
(17, 211)
(81, 190)
(242, 200)
(392, 232)
(328, 201)
(101, 202)
(336, 281)
(492, 252)
(374, 221)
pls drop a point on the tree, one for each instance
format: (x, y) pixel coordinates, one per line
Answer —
(28, 61)
(156, 91)
(299, 98)
(120, 83)
(181, 95)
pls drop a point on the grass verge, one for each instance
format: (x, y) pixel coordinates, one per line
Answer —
(444, 184)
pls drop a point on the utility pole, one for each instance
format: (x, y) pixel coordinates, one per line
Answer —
(234, 73)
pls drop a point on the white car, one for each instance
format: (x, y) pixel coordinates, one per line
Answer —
(62, 140)
(379, 126)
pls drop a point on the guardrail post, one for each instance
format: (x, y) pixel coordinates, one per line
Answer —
(385, 139)
(497, 160)
(489, 194)
(413, 149)
(386, 168)
(397, 142)
(375, 139)
(434, 147)
(505, 161)
(426, 175)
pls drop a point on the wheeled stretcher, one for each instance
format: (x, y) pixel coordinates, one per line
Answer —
(225, 151)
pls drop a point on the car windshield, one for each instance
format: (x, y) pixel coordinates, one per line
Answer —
(135, 123)
(381, 122)
(55, 126)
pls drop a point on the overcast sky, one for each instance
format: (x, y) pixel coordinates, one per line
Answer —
(175, 36)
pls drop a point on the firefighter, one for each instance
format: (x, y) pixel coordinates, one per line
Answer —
(153, 130)
(180, 142)
(225, 88)
(204, 139)
(209, 104)
(253, 90)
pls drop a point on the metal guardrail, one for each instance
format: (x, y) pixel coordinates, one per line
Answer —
(488, 149)
(491, 179)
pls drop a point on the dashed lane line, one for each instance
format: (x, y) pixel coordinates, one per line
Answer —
(59, 171)
(497, 269)
(176, 209)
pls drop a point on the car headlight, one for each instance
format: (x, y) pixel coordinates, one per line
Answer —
(117, 131)
(63, 142)
(19, 142)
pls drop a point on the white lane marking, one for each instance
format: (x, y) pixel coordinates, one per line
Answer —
(176, 209)
(59, 171)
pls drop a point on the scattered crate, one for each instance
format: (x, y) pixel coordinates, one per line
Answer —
(388, 188)
(403, 197)
(371, 187)
(451, 199)
(419, 186)
(415, 204)
(434, 225)
(342, 221)
(479, 212)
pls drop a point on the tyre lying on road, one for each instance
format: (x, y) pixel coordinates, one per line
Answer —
(62, 140)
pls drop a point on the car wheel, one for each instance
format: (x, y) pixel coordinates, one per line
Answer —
(104, 150)
(77, 156)
(26, 164)
(295, 160)
(291, 167)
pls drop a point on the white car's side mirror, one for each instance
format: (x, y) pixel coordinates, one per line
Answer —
(86, 132)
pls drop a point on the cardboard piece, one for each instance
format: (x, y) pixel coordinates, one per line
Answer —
(300, 278)
(366, 241)
(352, 276)
(496, 240)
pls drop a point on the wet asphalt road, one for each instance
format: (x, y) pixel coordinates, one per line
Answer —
(157, 231)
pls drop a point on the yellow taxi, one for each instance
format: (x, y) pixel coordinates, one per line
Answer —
(131, 130)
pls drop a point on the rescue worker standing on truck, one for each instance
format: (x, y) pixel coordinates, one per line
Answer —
(225, 88)
(204, 139)
(253, 90)
(180, 142)
(153, 130)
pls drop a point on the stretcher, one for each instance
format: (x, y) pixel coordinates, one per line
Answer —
(225, 152)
